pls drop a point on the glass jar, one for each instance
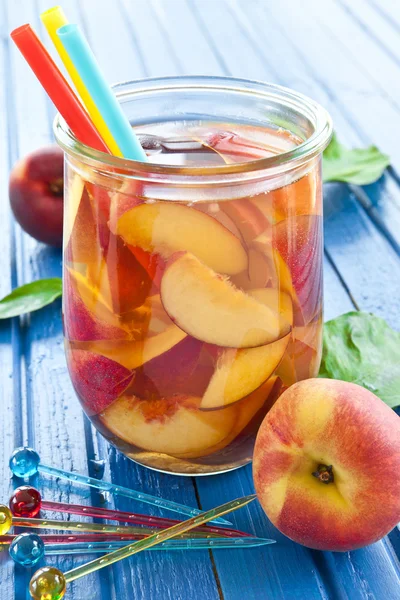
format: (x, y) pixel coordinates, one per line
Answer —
(193, 282)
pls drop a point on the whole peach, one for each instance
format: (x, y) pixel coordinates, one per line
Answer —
(327, 465)
(36, 194)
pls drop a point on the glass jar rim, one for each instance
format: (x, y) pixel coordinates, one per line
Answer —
(306, 150)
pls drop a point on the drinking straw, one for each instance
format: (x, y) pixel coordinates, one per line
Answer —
(86, 64)
(56, 86)
(53, 19)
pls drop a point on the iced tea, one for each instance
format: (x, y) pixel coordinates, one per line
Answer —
(185, 320)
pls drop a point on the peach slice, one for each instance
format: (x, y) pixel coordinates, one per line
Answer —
(299, 198)
(133, 354)
(259, 273)
(86, 318)
(166, 228)
(171, 426)
(97, 380)
(121, 277)
(247, 409)
(240, 372)
(247, 217)
(215, 211)
(74, 192)
(279, 302)
(166, 373)
(298, 241)
(83, 244)
(303, 356)
(210, 309)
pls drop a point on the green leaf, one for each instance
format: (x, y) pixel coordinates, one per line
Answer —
(360, 166)
(361, 348)
(30, 297)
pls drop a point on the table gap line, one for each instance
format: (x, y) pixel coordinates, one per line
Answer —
(126, 17)
(370, 210)
(346, 8)
(220, 59)
(339, 276)
(381, 11)
(157, 12)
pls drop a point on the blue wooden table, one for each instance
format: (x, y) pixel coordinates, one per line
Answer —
(346, 54)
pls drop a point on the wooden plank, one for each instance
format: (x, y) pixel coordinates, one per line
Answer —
(10, 398)
(366, 261)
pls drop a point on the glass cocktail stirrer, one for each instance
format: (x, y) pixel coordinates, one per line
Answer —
(27, 549)
(26, 501)
(50, 583)
(25, 462)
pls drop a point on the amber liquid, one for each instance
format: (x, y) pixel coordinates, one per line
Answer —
(185, 321)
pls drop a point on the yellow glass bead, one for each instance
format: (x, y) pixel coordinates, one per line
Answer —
(48, 583)
(5, 519)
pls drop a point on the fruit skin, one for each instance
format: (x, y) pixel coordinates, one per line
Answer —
(36, 194)
(173, 425)
(97, 380)
(324, 421)
(85, 316)
(209, 308)
(166, 227)
(239, 372)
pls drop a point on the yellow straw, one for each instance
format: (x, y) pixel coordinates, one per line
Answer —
(53, 19)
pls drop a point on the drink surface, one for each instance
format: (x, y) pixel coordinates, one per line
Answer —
(184, 321)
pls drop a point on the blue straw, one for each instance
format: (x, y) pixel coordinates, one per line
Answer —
(86, 64)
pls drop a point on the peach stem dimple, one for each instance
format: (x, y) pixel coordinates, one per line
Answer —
(324, 473)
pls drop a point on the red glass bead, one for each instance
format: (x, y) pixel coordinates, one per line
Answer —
(25, 502)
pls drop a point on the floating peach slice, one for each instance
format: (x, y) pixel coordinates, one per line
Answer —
(83, 244)
(259, 269)
(299, 198)
(247, 409)
(298, 241)
(303, 356)
(216, 211)
(86, 317)
(166, 228)
(210, 309)
(97, 380)
(240, 372)
(133, 354)
(126, 279)
(168, 372)
(247, 217)
(75, 187)
(171, 426)
(279, 301)
(97, 301)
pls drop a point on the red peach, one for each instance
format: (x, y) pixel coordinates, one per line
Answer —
(36, 194)
(327, 465)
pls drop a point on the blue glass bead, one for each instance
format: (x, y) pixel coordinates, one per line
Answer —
(27, 549)
(24, 462)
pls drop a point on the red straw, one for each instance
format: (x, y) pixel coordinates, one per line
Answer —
(57, 87)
